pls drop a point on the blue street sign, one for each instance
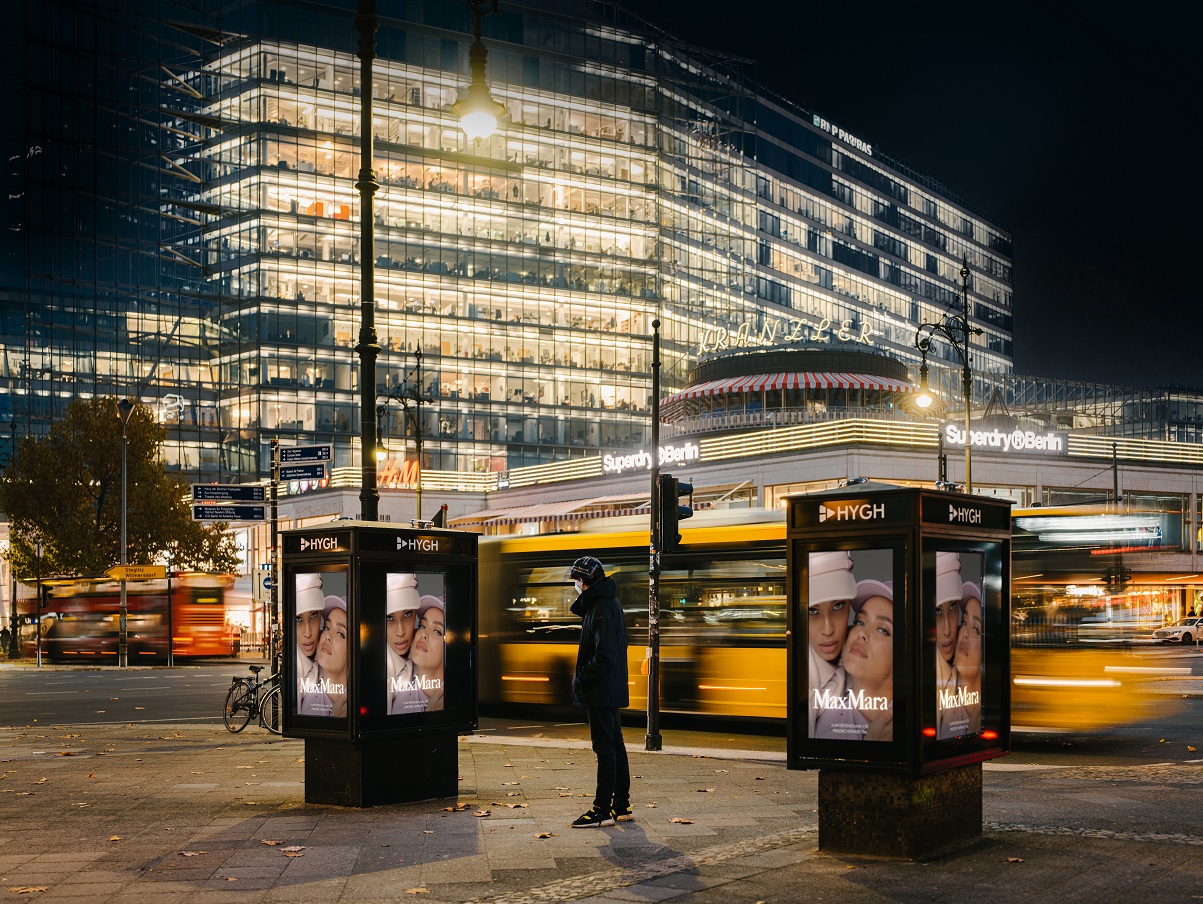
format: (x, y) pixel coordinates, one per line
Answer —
(228, 512)
(303, 472)
(211, 492)
(267, 583)
(303, 454)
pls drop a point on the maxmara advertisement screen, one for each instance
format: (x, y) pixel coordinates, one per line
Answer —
(322, 642)
(415, 630)
(960, 618)
(850, 630)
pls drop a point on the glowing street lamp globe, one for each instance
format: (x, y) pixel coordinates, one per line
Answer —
(478, 113)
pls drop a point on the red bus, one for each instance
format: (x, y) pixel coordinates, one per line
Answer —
(80, 619)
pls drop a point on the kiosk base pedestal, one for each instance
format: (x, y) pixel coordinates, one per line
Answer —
(889, 815)
(375, 771)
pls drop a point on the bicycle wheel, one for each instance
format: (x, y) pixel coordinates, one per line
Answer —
(240, 700)
(271, 710)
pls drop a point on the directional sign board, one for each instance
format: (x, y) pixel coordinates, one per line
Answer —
(303, 472)
(263, 587)
(137, 572)
(296, 455)
(213, 492)
(228, 512)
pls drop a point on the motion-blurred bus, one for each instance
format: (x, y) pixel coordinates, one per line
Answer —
(723, 626)
(80, 619)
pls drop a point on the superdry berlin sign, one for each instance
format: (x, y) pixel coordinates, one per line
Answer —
(674, 455)
(1023, 441)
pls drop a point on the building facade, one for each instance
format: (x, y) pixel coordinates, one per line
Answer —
(633, 178)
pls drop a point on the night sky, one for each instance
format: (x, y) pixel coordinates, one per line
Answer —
(1072, 126)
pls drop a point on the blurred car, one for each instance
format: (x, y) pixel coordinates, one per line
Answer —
(1186, 631)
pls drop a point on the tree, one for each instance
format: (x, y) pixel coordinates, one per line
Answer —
(62, 493)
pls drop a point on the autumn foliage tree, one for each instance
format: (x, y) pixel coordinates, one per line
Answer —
(62, 495)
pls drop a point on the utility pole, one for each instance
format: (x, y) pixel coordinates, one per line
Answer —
(653, 740)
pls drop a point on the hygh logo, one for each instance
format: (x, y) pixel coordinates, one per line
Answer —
(325, 544)
(851, 511)
(418, 544)
(960, 514)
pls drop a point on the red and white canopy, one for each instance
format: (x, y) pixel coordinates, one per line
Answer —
(674, 404)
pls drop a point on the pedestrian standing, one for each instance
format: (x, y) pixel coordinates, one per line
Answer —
(600, 686)
(5, 636)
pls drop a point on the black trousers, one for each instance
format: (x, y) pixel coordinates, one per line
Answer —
(613, 773)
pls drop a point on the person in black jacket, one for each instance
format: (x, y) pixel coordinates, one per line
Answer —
(600, 686)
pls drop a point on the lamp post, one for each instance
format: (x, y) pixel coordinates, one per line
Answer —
(124, 408)
(956, 330)
(366, 21)
(477, 111)
(408, 394)
(14, 623)
(37, 612)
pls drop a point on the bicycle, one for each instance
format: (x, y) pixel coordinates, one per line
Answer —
(250, 698)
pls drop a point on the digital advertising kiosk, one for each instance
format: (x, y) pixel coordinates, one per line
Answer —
(898, 660)
(379, 658)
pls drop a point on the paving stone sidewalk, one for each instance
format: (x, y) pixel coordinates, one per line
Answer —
(147, 813)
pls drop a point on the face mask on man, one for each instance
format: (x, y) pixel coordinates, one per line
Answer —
(580, 587)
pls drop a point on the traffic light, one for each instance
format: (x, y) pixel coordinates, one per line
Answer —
(671, 512)
(1118, 578)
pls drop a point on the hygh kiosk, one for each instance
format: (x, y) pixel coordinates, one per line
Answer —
(899, 657)
(379, 658)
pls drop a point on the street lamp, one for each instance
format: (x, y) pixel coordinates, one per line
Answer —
(124, 409)
(956, 330)
(37, 621)
(407, 394)
(368, 347)
(14, 643)
(478, 113)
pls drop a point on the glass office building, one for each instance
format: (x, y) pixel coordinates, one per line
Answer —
(202, 253)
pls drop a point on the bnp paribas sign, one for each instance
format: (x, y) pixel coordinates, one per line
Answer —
(1006, 441)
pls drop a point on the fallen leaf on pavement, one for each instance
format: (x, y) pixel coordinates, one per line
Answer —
(294, 853)
(192, 853)
(519, 806)
(1191, 749)
(684, 822)
(293, 848)
(547, 834)
(1014, 860)
(565, 795)
(40, 781)
(427, 831)
(705, 790)
(270, 843)
(511, 783)
(114, 838)
(417, 891)
(456, 808)
(25, 889)
(482, 813)
(651, 806)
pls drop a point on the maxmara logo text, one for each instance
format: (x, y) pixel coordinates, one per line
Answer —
(851, 511)
(1006, 440)
(418, 544)
(642, 460)
(322, 544)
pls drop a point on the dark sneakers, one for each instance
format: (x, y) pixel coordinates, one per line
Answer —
(624, 813)
(593, 818)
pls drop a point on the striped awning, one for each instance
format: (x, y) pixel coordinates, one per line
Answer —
(572, 510)
(674, 404)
